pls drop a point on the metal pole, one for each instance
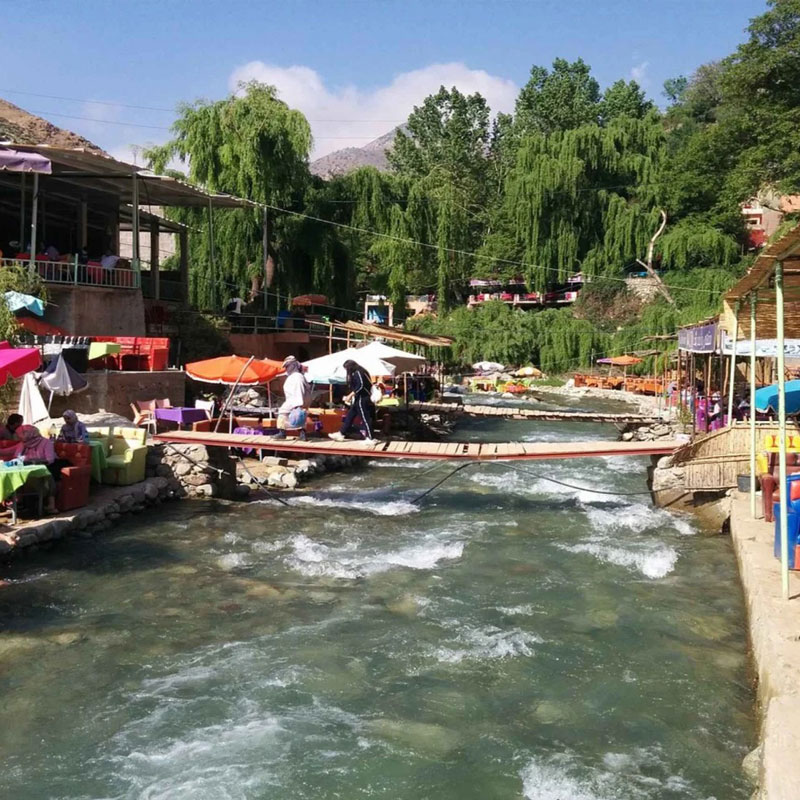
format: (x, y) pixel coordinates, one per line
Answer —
(34, 220)
(22, 213)
(784, 490)
(733, 364)
(753, 303)
(229, 401)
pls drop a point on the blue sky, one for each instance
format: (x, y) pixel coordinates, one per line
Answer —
(355, 67)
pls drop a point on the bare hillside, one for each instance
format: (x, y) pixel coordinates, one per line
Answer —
(17, 125)
(349, 158)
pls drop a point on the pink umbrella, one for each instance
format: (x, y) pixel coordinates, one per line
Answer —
(17, 361)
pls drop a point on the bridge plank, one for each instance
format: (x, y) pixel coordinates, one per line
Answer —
(443, 450)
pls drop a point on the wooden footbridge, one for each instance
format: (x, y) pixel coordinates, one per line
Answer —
(545, 415)
(445, 451)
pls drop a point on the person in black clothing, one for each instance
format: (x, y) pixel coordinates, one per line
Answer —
(361, 405)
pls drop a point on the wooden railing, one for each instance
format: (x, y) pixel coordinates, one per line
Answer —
(714, 461)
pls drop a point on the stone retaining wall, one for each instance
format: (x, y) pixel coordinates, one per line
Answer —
(201, 471)
(107, 507)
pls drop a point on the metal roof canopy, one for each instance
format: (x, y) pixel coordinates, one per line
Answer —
(385, 332)
(764, 266)
(109, 174)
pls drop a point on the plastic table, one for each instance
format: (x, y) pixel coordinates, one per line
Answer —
(181, 415)
(99, 460)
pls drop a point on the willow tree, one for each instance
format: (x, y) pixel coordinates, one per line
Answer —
(253, 145)
(585, 198)
(442, 158)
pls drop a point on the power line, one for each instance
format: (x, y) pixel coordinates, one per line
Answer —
(123, 124)
(456, 251)
(156, 108)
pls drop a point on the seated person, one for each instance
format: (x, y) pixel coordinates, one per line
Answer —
(73, 431)
(51, 251)
(38, 450)
(8, 431)
(9, 443)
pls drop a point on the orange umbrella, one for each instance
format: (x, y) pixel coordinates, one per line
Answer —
(620, 361)
(231, 370)
(310, 300)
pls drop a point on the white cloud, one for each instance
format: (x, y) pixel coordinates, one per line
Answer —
(351, 117)
(639, 73)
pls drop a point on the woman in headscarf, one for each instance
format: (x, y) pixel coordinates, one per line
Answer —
(38, 450)
(361, 405)
(292, 413)
(73, 431)
(35, 448)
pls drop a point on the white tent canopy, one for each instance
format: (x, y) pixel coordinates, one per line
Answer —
(330, 368)
(400, 359)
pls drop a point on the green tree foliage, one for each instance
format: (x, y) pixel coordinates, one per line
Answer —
(584, 198)
(576, 179)
(624, 100)
(442, 162)
(253, 145)
(560, 99)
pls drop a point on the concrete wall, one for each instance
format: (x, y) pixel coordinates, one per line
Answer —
(115, 391)
(96, 310)
(773, 624)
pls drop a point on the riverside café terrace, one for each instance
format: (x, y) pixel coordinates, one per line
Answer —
(65, 200)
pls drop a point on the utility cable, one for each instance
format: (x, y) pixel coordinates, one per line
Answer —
(458, 252)
(261, 485)
(570, 485)
(446, 478)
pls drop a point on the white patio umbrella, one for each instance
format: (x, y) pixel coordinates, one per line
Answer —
(330, 368)
(402, 361)
(31, 404)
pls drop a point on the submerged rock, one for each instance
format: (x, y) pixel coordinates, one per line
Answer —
(422, 737)
(406, 606)
(549, 712)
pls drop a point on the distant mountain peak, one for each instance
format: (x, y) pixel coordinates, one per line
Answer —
(339, 162)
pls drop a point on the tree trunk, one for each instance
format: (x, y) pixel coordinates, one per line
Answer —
(663, 291)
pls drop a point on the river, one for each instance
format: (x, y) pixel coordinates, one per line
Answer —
(508, 638)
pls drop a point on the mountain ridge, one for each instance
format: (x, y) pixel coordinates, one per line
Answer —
(340, 162)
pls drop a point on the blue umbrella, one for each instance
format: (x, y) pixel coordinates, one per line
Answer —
(17, 301)
(767, 397)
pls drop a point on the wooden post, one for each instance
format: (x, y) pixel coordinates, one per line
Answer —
(693, 406)
(732, 369)
(753, 303)
(135, 229)
(784, 493)
(265, 246)
(679, 381)
(183, 243)
(212, 257)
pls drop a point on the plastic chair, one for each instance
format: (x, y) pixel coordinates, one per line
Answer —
(144, 416)
(127, 461)
(73, 487)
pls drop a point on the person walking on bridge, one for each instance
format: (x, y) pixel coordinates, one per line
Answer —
(361, 404)
(292, 412)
